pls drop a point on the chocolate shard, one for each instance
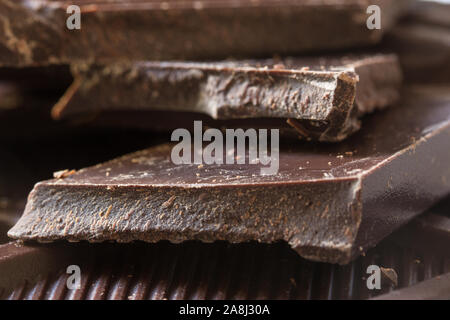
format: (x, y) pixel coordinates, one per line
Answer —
(35, 32)
(329, 202)
(323, 98)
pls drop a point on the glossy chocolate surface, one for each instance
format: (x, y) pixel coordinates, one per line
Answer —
(330, 202)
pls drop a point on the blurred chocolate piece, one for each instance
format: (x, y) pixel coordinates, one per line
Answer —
(434, 230)
(14, 187)
(424, 51)
(6, 222)
(10, 97)
(322, 97)
(27, 264)
(37, 34)
(437, 288)
(26, 98)
(430, 12)
(329, 202)
(422, 41)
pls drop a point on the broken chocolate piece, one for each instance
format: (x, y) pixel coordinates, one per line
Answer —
(330, 202)
(35, 32)
(322, 97)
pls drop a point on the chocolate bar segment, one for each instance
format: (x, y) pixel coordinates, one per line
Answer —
(330, 202)
(322, 97)
(35, 32)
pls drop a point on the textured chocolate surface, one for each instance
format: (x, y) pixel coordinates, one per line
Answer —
(330, 202)
(35, 32)
(214, 271)
(323, 97)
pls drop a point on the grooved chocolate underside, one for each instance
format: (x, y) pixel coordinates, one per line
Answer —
(222, 271)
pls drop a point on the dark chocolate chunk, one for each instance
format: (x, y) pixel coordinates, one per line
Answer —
(322, 97)
(330, 202)
(35, 32)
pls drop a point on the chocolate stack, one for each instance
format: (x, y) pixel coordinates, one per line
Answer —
(357, 151)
